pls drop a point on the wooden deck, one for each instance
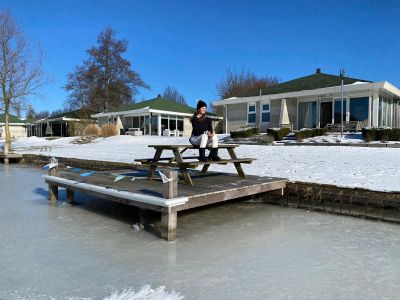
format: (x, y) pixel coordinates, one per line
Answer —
(147, 193)
(10, 156)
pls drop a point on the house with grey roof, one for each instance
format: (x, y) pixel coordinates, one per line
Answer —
(315, 101)
(18, 127)
(158, 116)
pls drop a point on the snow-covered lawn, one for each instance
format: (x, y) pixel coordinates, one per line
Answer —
(371, 168)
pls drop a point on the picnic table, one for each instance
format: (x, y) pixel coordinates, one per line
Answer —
(186, 162)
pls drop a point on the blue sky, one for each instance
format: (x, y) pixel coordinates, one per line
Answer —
(190, 44)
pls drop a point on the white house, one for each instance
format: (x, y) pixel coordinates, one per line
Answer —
(18, 128)
(158, 116)
(314, 102)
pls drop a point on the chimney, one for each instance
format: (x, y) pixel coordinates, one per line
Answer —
(318, 71)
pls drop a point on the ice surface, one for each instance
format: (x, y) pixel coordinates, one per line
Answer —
(239, 250)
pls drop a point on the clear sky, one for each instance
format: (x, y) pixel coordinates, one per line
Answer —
(190, 44)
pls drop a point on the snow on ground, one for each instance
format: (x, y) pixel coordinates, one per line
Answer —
(370, 168)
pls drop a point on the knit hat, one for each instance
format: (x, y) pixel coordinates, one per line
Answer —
(200, 104)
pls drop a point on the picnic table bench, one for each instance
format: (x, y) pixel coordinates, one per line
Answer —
(185, 162)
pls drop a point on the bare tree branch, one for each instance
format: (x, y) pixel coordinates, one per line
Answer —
(21, 75)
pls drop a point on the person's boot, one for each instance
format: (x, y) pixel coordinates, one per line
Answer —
(214, 154)
(202, 155)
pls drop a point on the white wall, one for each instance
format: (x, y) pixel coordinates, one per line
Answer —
(16, 131)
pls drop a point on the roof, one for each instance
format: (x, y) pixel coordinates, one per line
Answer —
(12, 119)
(310, 82)
(74, 114)
(159, 103)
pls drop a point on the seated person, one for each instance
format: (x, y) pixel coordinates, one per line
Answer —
(203, 134)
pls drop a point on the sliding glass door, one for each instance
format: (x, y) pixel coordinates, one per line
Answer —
(307, 114)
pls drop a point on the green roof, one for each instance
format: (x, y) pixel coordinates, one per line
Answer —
(158, 104)
(12, 119)
(311, 82)
(74, 114)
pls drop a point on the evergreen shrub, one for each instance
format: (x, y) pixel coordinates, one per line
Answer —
(278, 133)
(245, 132)
(308, 133)
(381, 134)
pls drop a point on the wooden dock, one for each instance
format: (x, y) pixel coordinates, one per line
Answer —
(10, 156)
(167, 198)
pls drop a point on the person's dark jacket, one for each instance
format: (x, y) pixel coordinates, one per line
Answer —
(200, 126)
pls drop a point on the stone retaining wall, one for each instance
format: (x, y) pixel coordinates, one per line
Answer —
(356, 202)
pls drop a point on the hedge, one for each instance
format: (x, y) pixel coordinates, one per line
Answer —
(381, 134)
(245, 132)
(278, 134)
(308, 133)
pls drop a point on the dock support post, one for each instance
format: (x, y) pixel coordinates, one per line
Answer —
(169, 219)
(168, 225)
(53, 189)
(170, 188)
(70, 196)
(142, 217)
(53, 193)
(6, 160)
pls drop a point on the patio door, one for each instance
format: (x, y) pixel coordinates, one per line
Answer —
(307, 114)
(325, 113)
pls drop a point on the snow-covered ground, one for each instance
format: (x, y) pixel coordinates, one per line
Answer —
(370, 168)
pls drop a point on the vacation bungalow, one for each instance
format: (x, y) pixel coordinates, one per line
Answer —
(18, 127)
(315, 101)
(158, 116)
(65, 124)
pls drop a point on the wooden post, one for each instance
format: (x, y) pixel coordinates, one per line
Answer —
(53, 189)
(170, 188)
(70, 196)
(6, 160)
(169, 219)
(168, 225)
(53, 192)
(142, 217)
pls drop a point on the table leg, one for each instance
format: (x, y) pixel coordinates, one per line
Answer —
(205, 168)
(181, 152)
(184, 170)
(155, 159)
(238, 166)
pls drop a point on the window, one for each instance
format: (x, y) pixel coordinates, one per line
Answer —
(359, 109)
(307, 114)
(338, 110)
(265, 113)
(251, 113)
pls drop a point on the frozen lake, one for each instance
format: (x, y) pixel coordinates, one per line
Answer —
(240, 250)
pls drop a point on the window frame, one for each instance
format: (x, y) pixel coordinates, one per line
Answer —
(251, 113)
(265, 111)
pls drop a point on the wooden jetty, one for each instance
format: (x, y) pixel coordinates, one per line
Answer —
(10, 156)
(169, 197)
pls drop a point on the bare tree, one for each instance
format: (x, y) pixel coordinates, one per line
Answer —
(105, 79)
(245, 83)
(30, 112)
(172, 93)
(20, 74)
(43, 114)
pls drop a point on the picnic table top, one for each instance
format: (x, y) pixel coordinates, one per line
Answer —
(191, 146)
